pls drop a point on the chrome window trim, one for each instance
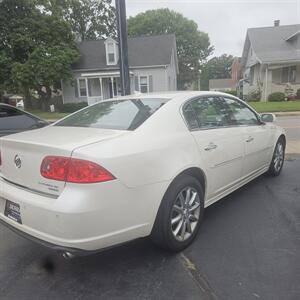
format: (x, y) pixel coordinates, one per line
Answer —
(44, 194)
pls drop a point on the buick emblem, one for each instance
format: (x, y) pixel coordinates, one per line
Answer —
(18, 161)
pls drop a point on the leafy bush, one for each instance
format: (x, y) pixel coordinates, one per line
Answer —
(276, 97)
(231, 92)
(71, 107)
(298, 94)
(254, 96)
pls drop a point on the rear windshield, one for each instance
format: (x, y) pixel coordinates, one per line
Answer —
(119, 114)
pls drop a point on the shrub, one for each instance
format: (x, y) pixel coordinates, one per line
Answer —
(231, 92)
(71, 107)
(254, 96)
(298, 94)
(276, 97)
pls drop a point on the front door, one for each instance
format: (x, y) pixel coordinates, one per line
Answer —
(94, 85)
(257, 138)
(221, 147)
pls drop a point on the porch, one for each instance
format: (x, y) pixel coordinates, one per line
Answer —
(99, 86)
(283, 78)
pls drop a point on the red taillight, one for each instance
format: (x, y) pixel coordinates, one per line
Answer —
(73, 170)
(55, 167)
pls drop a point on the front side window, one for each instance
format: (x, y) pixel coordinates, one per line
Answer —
(82, 87)
(144, 84)
(206, 112)
(239, 113)
(118, 115)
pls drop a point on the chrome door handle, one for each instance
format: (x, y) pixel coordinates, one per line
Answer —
(249, 139)
(211, 146)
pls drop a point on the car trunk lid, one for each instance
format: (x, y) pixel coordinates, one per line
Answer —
(23, 153)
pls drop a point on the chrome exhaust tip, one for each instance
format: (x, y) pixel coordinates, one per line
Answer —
(67, 255)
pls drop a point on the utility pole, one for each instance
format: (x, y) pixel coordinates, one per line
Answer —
(123, 47)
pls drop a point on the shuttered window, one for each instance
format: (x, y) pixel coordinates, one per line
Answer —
(144, 86)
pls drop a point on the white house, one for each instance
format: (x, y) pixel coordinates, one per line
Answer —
(152, 62)
(271, 60)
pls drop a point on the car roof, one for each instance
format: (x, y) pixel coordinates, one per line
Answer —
(22, 111)
(7, 105)
(184, 95)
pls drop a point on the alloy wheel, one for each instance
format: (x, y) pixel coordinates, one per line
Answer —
(185, 213)
(278, 157)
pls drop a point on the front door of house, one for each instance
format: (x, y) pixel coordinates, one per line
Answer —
(94, 85)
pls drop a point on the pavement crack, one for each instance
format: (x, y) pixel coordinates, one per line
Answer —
(199, 278)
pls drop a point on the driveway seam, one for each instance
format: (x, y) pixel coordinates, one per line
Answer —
(199, 278)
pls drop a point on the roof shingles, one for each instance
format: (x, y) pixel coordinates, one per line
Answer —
(142, 51)
(271, 46)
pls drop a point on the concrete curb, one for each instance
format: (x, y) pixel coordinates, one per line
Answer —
(287, 113)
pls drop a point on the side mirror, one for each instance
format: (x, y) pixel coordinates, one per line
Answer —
(268, 118)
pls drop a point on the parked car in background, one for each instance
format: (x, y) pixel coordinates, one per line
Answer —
(134, 166)
(13, 120)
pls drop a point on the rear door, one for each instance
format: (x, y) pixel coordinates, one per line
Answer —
(257, 138)
(221, 147)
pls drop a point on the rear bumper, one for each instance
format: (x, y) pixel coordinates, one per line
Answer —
(84, 218)
(73, 251)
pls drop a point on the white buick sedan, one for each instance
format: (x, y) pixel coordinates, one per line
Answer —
(132, 167)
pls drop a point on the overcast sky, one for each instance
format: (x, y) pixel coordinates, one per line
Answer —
(226, 22)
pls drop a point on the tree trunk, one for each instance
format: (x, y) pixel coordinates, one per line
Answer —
(45, 97)
(27, 98)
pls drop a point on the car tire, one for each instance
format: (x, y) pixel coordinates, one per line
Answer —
(183, 204)
(277, 158)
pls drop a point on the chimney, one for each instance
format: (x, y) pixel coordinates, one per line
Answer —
(276, 23)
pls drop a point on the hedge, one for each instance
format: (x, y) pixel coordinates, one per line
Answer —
(71, 107)
(276, 97)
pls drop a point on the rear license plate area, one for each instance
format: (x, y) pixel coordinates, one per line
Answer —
(12, 211)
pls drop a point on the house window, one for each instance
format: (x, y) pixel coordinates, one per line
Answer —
(82, 87)
(111, 55)
(288, 74)
(144, 84)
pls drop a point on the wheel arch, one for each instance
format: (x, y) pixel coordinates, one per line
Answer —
(197, 173)
(283, 137)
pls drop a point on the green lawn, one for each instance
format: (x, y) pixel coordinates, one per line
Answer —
(48, 115)
(285, 106)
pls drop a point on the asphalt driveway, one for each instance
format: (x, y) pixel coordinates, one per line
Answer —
(248, 248)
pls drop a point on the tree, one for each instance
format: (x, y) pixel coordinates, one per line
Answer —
(193, 46)
(89, 19)
(216, 68)
(36, 49)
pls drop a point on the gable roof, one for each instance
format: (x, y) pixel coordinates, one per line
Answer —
(142, 51)
(273, 44)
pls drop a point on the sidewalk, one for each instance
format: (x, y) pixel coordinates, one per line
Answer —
(287, 113)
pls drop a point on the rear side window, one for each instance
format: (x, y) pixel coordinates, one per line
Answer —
(205, 113)
(119, 114)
